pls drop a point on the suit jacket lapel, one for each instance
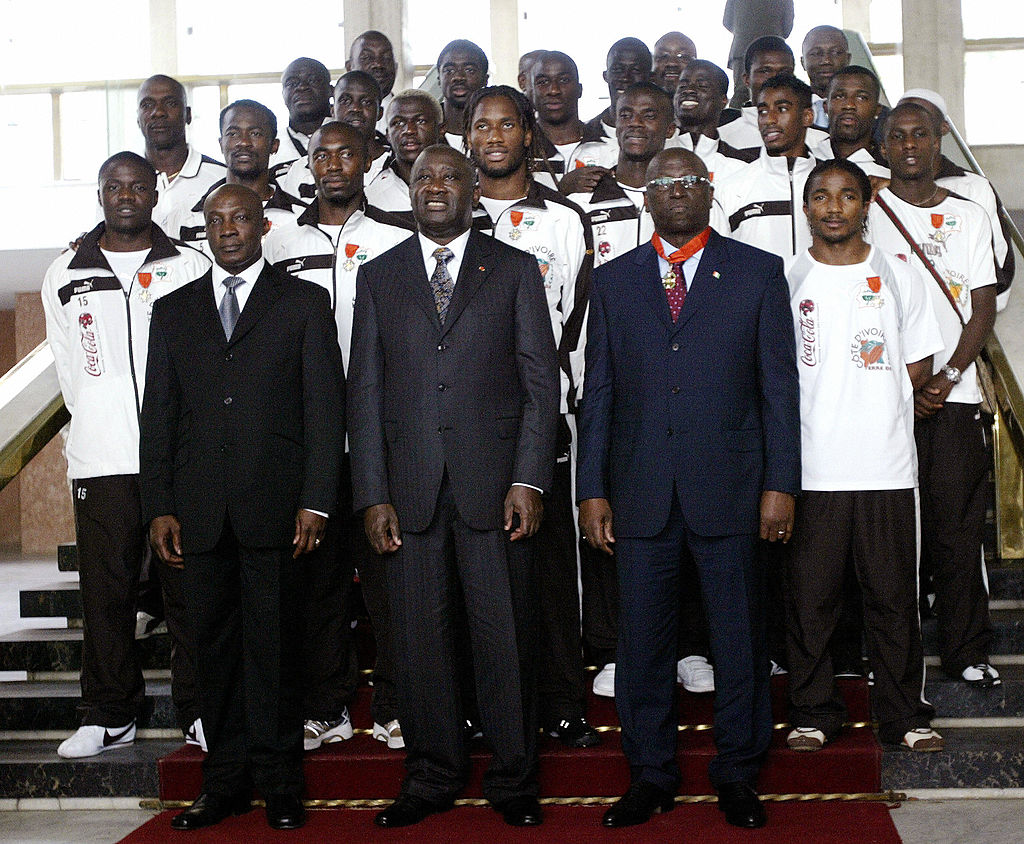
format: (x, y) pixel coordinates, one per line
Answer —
(264, 293)
(205, 306)
(418, 280)
(702, 289)
(649, 278)
(477, 263)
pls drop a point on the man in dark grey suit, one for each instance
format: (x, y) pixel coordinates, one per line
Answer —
(453, 396)
(241, 438)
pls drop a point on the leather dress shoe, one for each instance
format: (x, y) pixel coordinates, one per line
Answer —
(408, 810)
(523, 810)
(210, 809)
(638, 804)
(739, 802)
(285, 811)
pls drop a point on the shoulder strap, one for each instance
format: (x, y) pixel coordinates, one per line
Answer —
(921, 257)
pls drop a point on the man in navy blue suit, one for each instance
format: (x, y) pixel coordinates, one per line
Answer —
(689, 437)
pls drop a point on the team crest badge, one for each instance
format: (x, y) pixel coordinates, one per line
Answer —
(868, 349)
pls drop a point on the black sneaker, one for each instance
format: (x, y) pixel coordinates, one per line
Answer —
(574, 732)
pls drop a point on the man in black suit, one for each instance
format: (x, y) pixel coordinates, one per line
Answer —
(690, 436)
(242, 433)
(453, 397)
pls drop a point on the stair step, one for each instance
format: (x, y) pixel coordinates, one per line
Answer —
(53, 705)
(61, 650)
(955, 699)
(67, 556)
(362, 768)
(1006, 582)
(1007, 633)
(973, 758)
(59, 600)
(33, 769)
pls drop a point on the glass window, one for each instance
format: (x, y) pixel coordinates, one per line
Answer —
(83, 134)
(991, 82)
(72, 41)
(886, 20)
(219, 38)
(27, 130)
(993, 19)
(431, 25)
(203, 132)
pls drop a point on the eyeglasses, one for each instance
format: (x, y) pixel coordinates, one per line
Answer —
(664, 184)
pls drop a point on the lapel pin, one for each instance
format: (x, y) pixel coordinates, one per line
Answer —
(716, 274)
(482, 269)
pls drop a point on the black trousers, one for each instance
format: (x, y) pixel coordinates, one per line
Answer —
(878, 529)
(246, 604)
(953, 464)
(561, 689)
(496, 579)
(111, 549)
(732, 584)
(373, 584)
(330, 670)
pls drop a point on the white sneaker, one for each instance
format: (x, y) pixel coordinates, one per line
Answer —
(92, 740)
(923, 740)
(696, 674)
(981, 676)
(194, 735)
(316, 733)
(389, 733)
(604, 682)
(147, 625)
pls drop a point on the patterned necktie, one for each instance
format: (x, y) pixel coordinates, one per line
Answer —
(441, 281)
(229, 309)
(677, 292)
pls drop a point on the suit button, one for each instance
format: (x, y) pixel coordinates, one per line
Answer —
(227, 400)
(229, 356)
(441, 347)
(675, 390)
(440, 429)
(670, 432)
(675, 347)
(223, 449)
(441, 388)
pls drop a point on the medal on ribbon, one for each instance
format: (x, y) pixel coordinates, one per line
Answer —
(350, 251)
(517, 218)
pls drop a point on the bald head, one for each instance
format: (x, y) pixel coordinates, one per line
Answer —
(824, 51)
(162, 113)
(672, 53)
(676, 157)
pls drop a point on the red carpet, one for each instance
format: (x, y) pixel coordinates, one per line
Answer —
(788, 823)
(365, 769)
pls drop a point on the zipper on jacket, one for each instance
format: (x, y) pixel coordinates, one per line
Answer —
(790, 166)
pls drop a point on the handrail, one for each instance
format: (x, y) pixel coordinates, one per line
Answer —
(33, 410)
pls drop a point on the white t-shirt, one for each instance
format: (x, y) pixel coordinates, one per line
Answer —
(956, 237)
(496, 207)
(857, 326)
(125, 265)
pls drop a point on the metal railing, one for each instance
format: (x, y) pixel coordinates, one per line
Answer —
(32, 410)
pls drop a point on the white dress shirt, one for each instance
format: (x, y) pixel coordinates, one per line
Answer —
(689, 265)
(242, 291)
(458, 247)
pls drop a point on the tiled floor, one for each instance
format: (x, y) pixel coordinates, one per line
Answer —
(918, 822)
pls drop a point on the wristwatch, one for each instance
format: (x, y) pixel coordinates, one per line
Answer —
(952, 373)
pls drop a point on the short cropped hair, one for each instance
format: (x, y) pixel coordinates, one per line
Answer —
(265, 112)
